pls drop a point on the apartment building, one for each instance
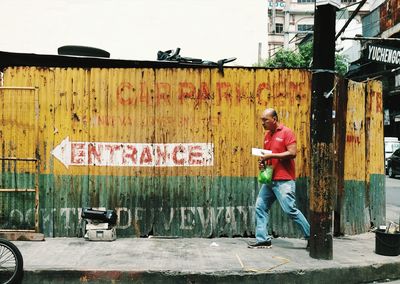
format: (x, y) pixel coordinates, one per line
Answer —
(290, 21)
(382, 25)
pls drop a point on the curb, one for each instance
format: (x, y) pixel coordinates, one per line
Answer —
(354, 274)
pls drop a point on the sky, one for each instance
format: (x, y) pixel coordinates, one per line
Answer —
(137, 29)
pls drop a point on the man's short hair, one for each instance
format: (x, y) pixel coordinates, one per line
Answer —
(274, 114)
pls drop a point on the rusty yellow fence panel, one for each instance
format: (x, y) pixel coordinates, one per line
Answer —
(18, 122)
(353, 215)
(168, 148)
(374, 115)
(354, 163)
(375, 175)
(99, 105)
(363, 197)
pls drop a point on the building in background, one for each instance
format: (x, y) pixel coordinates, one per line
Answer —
(379, 58)
(290, 21)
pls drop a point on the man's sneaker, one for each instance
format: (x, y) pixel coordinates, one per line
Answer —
(266, 244)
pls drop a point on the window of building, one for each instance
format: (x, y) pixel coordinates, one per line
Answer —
(279, 28)
(305, 1)
(274, 49)
(305, 27)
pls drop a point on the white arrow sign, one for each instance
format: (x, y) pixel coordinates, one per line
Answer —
(134, 154)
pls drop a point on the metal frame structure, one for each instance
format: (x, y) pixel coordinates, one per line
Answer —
(27, 159)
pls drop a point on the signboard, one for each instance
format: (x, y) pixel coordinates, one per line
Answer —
(279, 5)
(383, 54)
(133, 154)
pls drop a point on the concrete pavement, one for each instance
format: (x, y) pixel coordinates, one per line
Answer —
(195, 260)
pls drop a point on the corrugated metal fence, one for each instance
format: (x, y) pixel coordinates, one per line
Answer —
(169, 148)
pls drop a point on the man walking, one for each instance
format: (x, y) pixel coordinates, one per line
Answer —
(282, 142)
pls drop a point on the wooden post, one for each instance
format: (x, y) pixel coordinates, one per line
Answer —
(322, 182)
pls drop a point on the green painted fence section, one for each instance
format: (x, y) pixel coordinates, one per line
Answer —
(17, 209)
(377, 200)
(363, 207)
(224, 207)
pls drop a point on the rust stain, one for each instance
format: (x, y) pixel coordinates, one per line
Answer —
(323, 189)
(101, 275)
(354, 163)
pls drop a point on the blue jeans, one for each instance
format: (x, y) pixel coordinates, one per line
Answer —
(284, 192)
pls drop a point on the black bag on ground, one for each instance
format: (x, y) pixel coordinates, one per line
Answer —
(105, 216)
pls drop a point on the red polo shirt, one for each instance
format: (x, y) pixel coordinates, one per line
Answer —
(277, 142)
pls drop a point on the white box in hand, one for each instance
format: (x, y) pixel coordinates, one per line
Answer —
(260, 152)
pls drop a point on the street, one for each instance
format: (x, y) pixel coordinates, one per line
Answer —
(392, 207)
(393, 199)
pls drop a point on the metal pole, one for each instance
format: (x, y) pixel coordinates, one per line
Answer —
(370, 38)
(37, 164)
(322, 179)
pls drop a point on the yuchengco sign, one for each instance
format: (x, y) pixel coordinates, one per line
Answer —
(383, 54)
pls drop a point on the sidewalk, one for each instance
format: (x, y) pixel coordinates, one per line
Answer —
(221, 260)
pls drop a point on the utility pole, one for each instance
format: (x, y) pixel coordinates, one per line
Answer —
(322, 190)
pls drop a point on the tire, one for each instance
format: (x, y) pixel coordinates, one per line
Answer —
(390, 172)
(11, 263)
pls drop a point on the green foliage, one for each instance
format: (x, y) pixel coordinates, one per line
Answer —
(341, 64)
(285, 58)
(306, 51)
(301, 59)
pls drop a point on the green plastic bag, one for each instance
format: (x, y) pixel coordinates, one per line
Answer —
(265, 176)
